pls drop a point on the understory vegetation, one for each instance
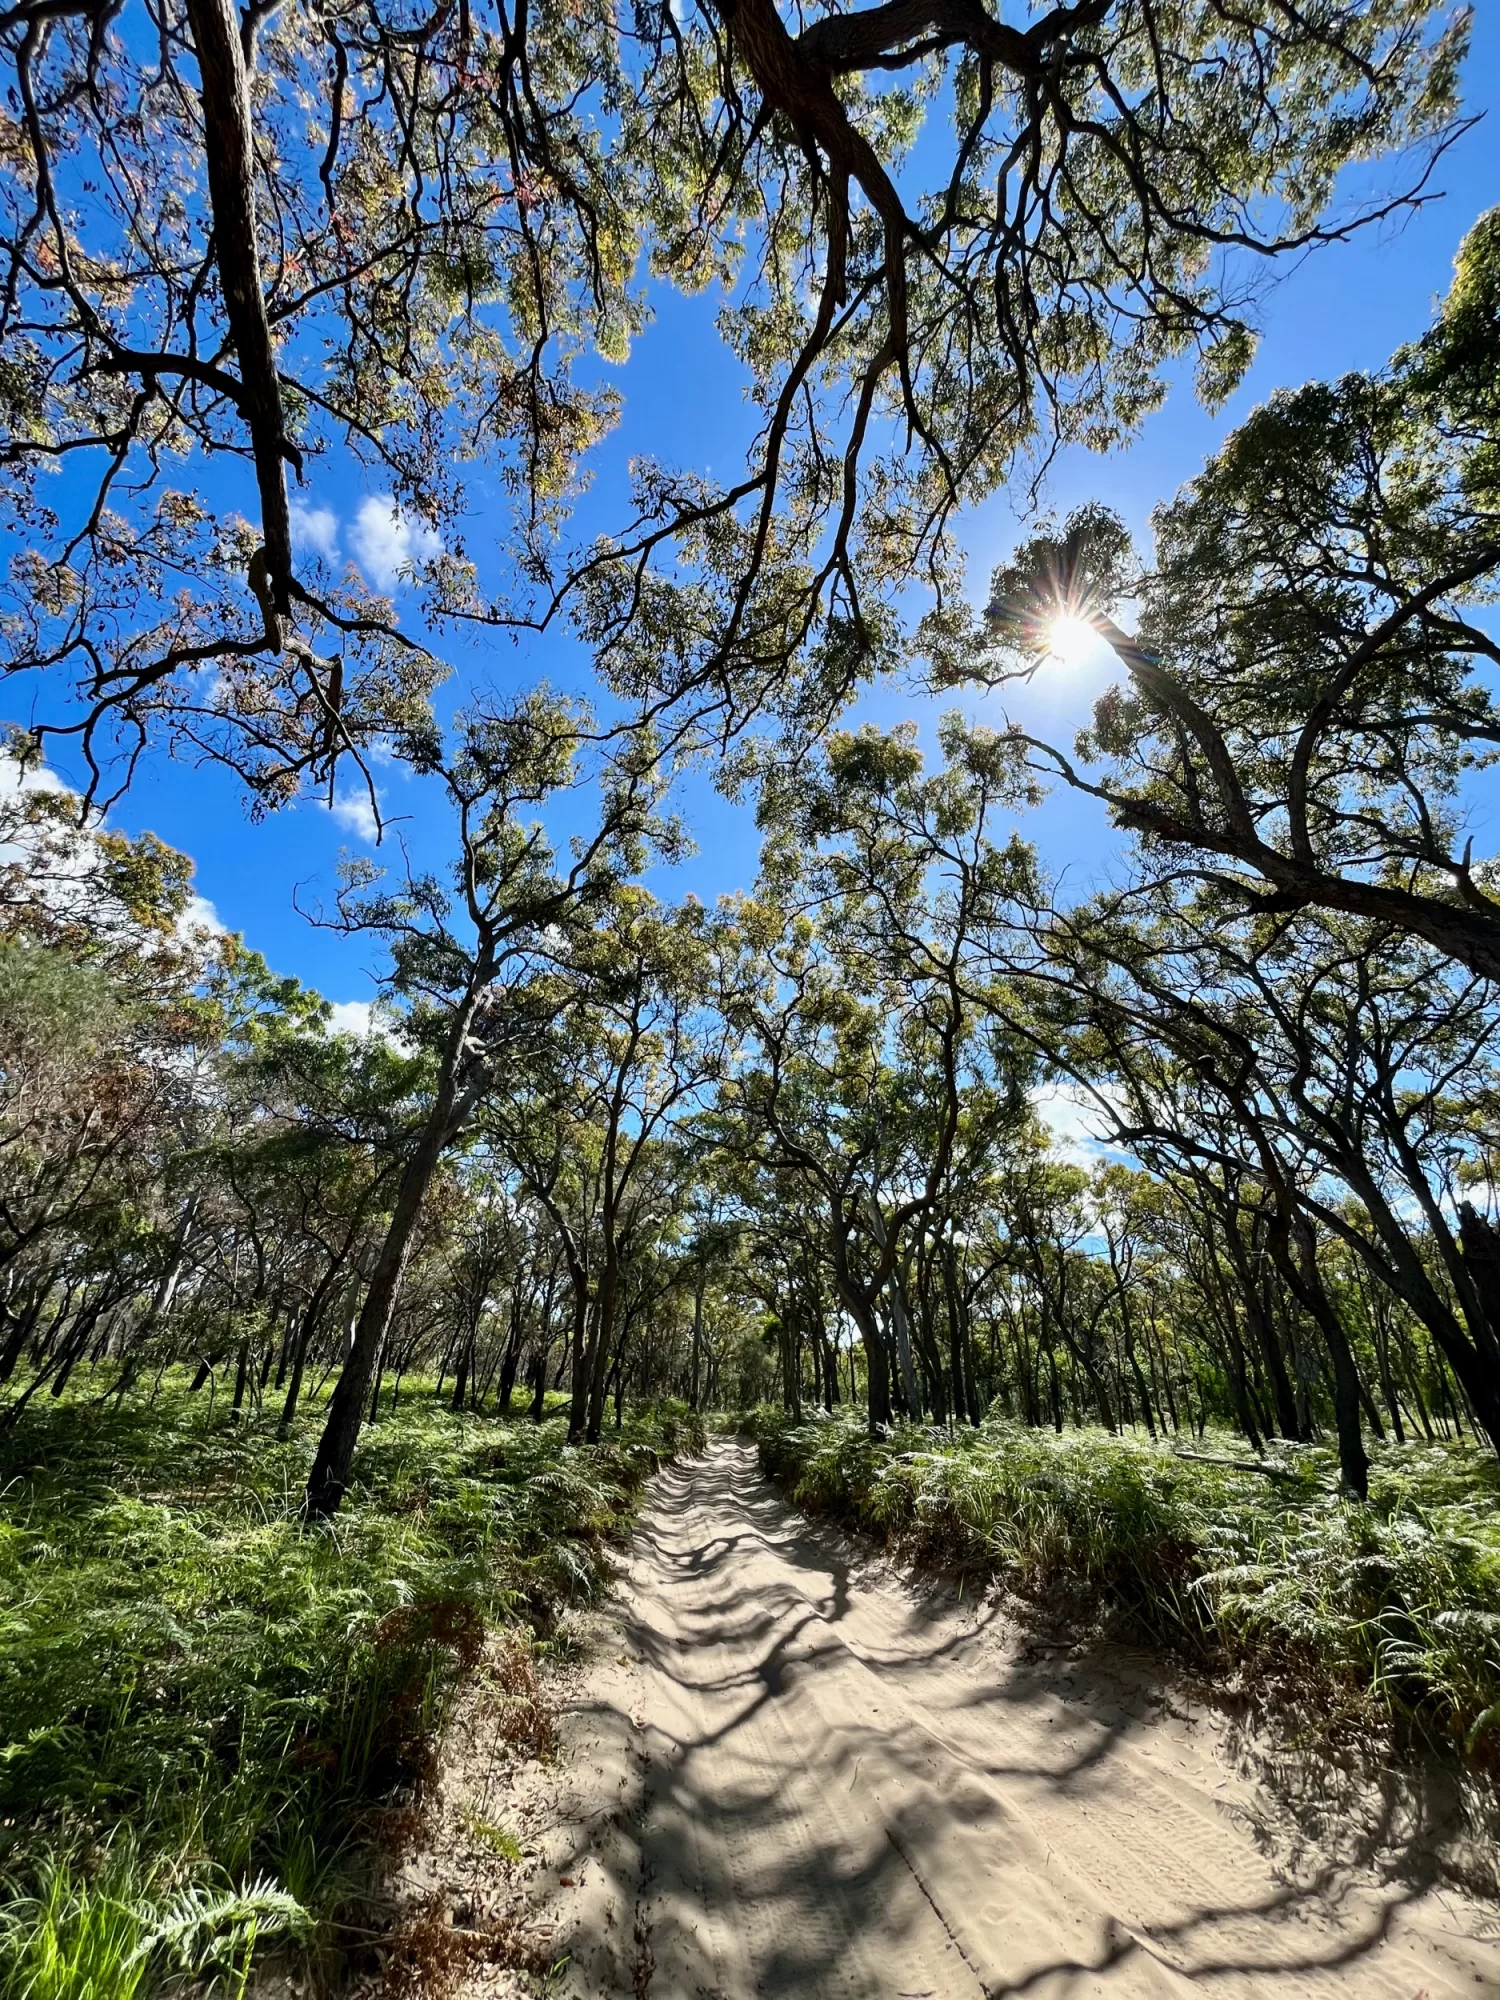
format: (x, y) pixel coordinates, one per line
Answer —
(1384, 1616)
(336, 1336)
(210, 1713)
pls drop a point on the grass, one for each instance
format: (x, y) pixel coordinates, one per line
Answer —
(1381, 1617)
(206, 1709)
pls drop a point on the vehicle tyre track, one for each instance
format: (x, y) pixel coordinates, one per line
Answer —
(860, 1791)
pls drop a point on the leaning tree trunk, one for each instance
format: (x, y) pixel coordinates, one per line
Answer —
(1480, 1243)
(330, 1472)
(1305, 1282)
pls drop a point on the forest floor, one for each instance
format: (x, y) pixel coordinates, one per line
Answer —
(215, 1725)
(784, 1769)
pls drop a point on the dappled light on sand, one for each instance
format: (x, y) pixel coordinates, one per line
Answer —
(855, 1790)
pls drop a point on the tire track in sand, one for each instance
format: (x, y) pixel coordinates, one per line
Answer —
(856, 1791)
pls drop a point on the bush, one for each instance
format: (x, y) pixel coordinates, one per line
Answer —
(180, 1658)
(1387, 1612)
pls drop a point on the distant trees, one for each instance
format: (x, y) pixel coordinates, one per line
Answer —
(635, 1046)
(799, 1145)
(875, 1087)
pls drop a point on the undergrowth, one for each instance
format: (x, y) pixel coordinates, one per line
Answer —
(205, 1709)
(1383, 1616)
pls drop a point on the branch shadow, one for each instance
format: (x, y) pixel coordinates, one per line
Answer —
(752, 1620)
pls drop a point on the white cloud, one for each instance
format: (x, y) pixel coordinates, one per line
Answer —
(200, 915)
(14, 778)
(350, 1017)
(317, 528)
(366, 1019)
(354, 811)
(386, 541)
(1076, 1122)
(64, 879)
(62, 869)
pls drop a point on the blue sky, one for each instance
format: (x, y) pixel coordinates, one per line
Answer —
(1344, 307)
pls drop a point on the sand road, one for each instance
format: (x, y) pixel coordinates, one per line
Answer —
(843, 1787)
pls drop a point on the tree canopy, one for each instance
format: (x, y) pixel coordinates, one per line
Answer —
(607, 1135)
(236, 242)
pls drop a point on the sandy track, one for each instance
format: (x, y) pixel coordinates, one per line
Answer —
(826, 1784)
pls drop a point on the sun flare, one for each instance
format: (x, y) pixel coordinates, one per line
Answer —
(1070, 640)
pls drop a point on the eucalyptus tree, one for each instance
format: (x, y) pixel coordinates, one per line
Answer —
(460, 951)
(314, 1131)
(238, 240)
(1298, 1079)
(1379, 1057)
(1310, 683)
(633, 1047)
(1044, 1208)
(101, 1027)
(878, 1084)
(786, 1273)
(481, 1254)
(820, 1102)
(88, 1098)
(131, 1030)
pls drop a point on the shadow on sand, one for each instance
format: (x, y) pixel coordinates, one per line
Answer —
(739, 1623)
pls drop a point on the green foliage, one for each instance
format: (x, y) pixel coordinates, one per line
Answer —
(1387, 1613)
(180, 1657)
(498, 1839)
(75, 1938)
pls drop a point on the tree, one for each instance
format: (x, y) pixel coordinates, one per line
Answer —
(1063, 247)
(874, 1088)
(1304, 700)
(235, 241)
(454, 950)
(635, 1048)
(1297, 1077)
(317, 1128)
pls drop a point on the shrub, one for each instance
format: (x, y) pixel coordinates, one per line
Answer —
(1388, 1611)
(179, 1657)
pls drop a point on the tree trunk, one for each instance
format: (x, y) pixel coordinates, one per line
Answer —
(694, 1379)
(229, 145)
(953, 1306)
(585, 1346)
(1270, 1348)
(601, 1355)
(877, 1364)
(510, 1364)
(1302, 1275)
(379, 1378)
(461, 1372)
(335, 1455)
(241, 1375)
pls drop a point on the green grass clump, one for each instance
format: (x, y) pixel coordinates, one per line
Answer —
(1387, 1612)
(203, 1705)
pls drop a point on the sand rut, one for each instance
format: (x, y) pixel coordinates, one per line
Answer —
(853, 1790)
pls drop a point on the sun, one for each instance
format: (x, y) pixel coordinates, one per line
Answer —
(1070, 639)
